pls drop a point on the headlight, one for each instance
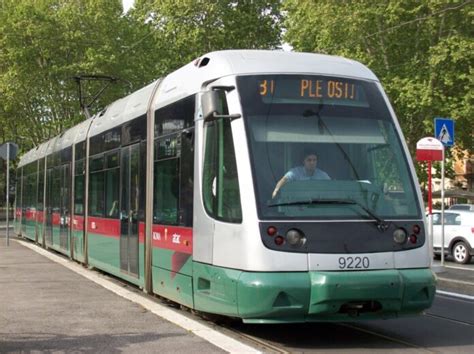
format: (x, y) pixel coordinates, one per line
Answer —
(400, 236)
(295, 238)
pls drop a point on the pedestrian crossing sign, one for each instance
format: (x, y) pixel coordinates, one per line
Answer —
(444, 131)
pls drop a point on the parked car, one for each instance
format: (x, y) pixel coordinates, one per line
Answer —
(458, 234)
(468, 207)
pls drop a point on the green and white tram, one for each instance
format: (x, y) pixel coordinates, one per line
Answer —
(176, 188)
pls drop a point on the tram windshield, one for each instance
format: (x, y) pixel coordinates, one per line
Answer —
(324, 148)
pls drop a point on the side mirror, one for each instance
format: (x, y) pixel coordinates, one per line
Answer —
(214, 105)
(210, 105)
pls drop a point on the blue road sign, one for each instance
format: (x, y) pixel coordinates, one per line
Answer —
(444, 130)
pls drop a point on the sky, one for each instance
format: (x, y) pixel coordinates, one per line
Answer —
(127, 4)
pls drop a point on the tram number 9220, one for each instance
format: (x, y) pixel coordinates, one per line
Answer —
(354, 263)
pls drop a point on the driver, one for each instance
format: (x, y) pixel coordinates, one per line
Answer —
(308, 171)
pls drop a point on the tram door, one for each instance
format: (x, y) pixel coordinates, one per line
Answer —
(65, 206)
(49, 208)
(129, 204)
(24, 204)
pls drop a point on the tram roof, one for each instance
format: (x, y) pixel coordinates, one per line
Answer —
(123, 110)
(35, 153)
(192, 77)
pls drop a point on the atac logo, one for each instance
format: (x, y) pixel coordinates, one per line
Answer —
(176, 238)
(156, 236)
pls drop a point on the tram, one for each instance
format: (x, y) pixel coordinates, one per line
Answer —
(173, 189)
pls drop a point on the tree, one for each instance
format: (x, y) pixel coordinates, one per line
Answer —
(185, 29)
(43, 45)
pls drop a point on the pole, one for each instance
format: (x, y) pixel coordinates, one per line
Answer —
(430, 211)
(442, 210)
(8, 194)
(430, 207)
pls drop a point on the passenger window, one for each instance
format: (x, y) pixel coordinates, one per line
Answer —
(112, 180)
(174, 164)
(79, 194)
(166, 187)
(220, 181)
(96, 197)
(436, 219)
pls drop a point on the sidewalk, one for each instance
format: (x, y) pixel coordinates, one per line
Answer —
(46, 307)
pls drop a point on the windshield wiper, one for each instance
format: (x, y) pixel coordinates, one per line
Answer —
(382, 225)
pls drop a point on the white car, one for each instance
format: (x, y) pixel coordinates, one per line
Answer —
(468, 207)
(458, 234)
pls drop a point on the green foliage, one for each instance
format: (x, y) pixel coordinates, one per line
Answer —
(44, 44)
(422, 51)
(183, 30)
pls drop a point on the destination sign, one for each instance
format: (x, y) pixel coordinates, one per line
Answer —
(319, 88)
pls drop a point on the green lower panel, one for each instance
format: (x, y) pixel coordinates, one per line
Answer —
(17, 226)
(40, 228)
(215, 289)
(78, 242)
(104, 254)
(172, 260)
(173, 286)
(259, 297)
(55, 244)
(30, 230)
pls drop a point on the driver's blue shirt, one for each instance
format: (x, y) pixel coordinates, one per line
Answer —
(300, 174)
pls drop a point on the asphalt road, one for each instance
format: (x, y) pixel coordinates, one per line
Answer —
(447, 327)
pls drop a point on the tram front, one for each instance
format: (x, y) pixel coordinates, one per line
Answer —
(333, 184)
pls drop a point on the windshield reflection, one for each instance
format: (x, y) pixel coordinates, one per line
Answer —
(324, 150)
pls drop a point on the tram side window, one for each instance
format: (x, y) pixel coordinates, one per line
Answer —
(174, 164)
(40, 199)
(174, 184)
(96, 197)
(56, 185)
(96, 188)
(34, 191)
(112, 185)
(79, 188)
(79, 195)
(220, 181)
(104, 185)
(166, 192)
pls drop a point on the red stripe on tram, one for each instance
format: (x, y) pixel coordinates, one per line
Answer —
(40, 216)
(104, 227)
(56, 219)
(78, 223)
(175, 238)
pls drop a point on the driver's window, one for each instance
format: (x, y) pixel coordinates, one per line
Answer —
(220, 181)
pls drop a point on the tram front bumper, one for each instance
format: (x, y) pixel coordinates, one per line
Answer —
(334, 296)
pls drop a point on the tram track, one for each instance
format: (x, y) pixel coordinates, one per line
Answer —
(385, 337)
(258, 343)
(267, 346)
(449, 319)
